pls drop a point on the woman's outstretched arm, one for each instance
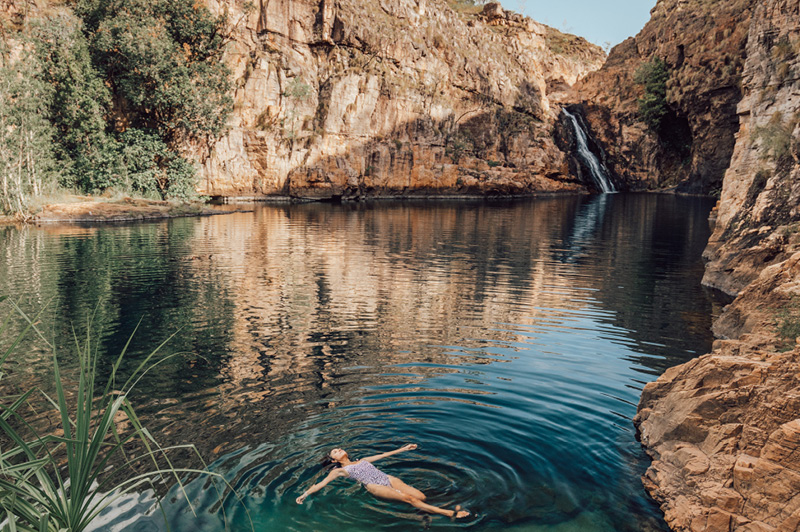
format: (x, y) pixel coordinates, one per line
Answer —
(336, 473)
(409, 447)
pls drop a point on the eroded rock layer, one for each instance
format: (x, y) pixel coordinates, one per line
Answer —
(724, 430)
(345, 98)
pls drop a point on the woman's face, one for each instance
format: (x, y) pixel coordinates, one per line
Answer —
(338, 454)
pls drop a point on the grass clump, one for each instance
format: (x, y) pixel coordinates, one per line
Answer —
(788, 324)
(56, 480)
(776, 137)
(466, 7)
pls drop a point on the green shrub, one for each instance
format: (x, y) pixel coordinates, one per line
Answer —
(150, 168)
(297, 92)
(59, 480)
(79, 105)
(776, 137)
(653, 105)
(457, 145)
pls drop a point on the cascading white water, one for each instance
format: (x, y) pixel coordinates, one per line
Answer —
(599, 174)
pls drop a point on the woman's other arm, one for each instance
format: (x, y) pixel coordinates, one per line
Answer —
(409, 447)
(336, 473)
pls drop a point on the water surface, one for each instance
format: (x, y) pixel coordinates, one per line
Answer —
(510, 340)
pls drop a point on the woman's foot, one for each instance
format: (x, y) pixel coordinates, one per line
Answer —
(458, 513)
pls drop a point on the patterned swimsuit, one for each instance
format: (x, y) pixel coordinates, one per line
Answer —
(366, 473)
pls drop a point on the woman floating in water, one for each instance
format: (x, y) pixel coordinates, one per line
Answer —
(379, 483)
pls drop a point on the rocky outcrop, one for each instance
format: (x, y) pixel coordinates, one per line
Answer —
(343, 98)
(758, 210)
(724, 430)
(702, 44)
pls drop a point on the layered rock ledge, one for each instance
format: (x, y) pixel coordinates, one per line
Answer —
(724, 430)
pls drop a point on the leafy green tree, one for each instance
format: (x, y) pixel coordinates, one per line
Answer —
(27, 162)
(653, 105)
(79, 105)
(162, 58)
(120, 90)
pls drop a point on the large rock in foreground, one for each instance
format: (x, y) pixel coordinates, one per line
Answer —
(724, 430)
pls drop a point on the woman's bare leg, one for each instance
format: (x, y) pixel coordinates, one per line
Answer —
(399, 485)
(392, 494)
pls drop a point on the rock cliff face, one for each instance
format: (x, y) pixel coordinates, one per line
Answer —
(345, 98)
(758, 211)
(724, 430)
(702, 43)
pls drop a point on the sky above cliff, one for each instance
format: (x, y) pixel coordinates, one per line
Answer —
(602, 21)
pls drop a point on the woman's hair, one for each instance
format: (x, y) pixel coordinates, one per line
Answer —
(328, 463)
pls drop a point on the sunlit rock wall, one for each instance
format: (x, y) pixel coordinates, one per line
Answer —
(724, 430)
(351, 98)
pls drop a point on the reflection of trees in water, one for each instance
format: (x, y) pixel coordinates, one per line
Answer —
(114, 276)
(295, 309)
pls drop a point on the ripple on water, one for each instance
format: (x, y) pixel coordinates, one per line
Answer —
(510, 341)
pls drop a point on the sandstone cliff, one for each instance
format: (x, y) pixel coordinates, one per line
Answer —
(344, 98)
(702, 44)
(724, 430)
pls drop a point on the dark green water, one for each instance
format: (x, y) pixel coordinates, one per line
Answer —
(509, 340)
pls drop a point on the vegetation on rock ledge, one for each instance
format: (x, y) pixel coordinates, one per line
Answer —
(653, 105)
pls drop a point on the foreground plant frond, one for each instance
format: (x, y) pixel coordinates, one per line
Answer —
(52, 482)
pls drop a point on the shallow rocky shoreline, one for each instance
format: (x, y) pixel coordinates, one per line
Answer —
(105, 211)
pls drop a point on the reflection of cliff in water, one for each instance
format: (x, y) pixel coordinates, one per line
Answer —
(292, 310)
(648, 249)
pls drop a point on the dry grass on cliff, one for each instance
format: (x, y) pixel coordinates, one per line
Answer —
(465, 7)
(788, 324)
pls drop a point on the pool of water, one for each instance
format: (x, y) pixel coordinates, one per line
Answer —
(509, 340)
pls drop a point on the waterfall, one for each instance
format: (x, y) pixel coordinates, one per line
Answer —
(599, 173)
